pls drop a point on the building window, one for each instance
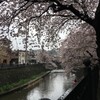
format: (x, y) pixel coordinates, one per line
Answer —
(4, 61)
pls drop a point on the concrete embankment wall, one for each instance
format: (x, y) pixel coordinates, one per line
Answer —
(12, 75)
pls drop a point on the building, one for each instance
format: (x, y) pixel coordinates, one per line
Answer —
(22, 57)
(5, 51)
(14, 57)
(26, 57)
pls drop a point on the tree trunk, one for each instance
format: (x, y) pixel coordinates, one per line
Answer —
(98, 43)
(95, 74)
(97, 29)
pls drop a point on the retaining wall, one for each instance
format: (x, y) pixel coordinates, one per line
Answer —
(12, 75)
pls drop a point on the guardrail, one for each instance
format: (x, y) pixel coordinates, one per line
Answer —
(86, 88)
(10, 66)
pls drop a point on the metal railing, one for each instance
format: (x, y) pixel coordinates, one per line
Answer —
(10, 66)
(85, 88)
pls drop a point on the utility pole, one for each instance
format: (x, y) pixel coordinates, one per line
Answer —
(26, 43)
(26, 46)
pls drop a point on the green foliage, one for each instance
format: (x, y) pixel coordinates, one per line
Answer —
(9, 86)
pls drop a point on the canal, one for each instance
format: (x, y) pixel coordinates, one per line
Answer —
(52, 86)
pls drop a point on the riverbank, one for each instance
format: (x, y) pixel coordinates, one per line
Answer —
(22, 83)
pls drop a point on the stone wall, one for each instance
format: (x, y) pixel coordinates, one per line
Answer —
(16, 74)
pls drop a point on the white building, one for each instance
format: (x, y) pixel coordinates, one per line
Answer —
(22, 57)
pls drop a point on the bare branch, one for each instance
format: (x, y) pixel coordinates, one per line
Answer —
(84, 17)
(15, 13)
(57, 6)
(21, 9)
(89, 53)
(97, 14)
(2, 1)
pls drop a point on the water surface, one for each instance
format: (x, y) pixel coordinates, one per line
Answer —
(52, 87)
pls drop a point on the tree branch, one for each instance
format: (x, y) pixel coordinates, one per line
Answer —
(97, 14)
(84, 17)
(89, 53)
(58, 6)
(2, 1)
(21, 9)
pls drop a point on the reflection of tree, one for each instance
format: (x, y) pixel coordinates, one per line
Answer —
(44, 86)
(53, 84)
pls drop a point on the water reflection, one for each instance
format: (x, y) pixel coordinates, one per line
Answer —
(52, 86)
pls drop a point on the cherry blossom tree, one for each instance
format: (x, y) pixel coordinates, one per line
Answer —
(79, 44)
(50, 16)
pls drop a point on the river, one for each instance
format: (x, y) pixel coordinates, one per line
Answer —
(52, 86)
